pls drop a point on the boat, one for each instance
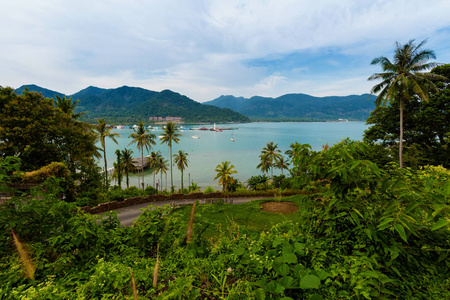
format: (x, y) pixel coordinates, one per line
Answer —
(195, 136)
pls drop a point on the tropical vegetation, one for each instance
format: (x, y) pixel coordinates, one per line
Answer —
(359, 226)
(170, 135)
(143, 139)
(404, 78)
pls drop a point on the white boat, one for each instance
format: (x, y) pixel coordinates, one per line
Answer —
(195, 136)
(135, 126)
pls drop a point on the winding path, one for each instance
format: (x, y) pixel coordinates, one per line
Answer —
(128, 214)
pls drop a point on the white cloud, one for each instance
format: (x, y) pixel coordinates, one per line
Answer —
(199, 48)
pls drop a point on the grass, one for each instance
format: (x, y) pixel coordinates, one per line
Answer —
(249, 215)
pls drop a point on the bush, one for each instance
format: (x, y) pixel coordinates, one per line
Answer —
(151, 190)
(209, 189)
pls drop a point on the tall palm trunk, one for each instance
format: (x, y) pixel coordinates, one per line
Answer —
(171, 174)
(182, 180)
(142, 164)
(106, 168)
(400, 153)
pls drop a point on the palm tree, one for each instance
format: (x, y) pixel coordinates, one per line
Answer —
(224, 172)
(118, 167)
(67, 106)
(127, 163)
(404, 77)
(153, 160)
(103, 131)
(270, 154)
(170, 134)
(264, 165)
(144, 139)
(161, 167)
(182, 162)
(282, 164)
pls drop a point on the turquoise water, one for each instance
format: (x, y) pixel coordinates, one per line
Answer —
(211, 148)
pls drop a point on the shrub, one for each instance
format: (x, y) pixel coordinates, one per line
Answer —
(151, 190)
(209, 189)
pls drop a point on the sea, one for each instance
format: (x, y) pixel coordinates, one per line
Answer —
(241, 146)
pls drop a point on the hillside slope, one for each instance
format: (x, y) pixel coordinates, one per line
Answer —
(300, 106)
(131, 104)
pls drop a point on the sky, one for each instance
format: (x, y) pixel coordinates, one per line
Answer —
(207, 48)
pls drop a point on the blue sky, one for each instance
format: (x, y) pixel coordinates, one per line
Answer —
(207, 48)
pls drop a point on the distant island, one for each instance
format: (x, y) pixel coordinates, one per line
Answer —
(127, 105)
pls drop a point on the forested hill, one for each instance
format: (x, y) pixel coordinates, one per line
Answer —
(132, 104)
(300, 107)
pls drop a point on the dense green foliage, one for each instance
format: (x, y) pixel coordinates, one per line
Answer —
(128, 104)
(38, 133)
(299, 107)
(367, 233)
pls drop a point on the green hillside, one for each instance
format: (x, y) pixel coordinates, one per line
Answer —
(130, 104)
(300, 107)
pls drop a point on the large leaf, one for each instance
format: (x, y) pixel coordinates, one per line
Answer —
(274, 287)
(287, 282)
(282, 270)
(309, 282)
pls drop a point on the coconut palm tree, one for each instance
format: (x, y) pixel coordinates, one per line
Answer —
(144, 139)
(118, 169)
(404, 77)
(103, 131)
(282, 164)
(153, 161)
(161, 167)
(170, 135)
(67, 106)
(224, 172)
(270, 154)
(127, 163)
(182, 162)
(264, 164)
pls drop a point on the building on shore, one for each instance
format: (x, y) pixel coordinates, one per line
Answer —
(165, 119)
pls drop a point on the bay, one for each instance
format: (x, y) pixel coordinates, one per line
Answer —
(212, 148)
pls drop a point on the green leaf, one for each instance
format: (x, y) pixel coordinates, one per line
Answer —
(259, 294)
(239, 251)
(274, 287)
(289, 258)
(439, 224)
(277, 241)
(287, 282)
(309, 282)
(401, 231)
(355, 217)
(283, 269)
(315, 297)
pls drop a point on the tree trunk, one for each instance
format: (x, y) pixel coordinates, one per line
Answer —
(182, 180)
(400, 150)
(142, 162)
(171, 174)
(106, 168)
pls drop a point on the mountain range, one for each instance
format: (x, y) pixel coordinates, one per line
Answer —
(300, 107)
(131, 104)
